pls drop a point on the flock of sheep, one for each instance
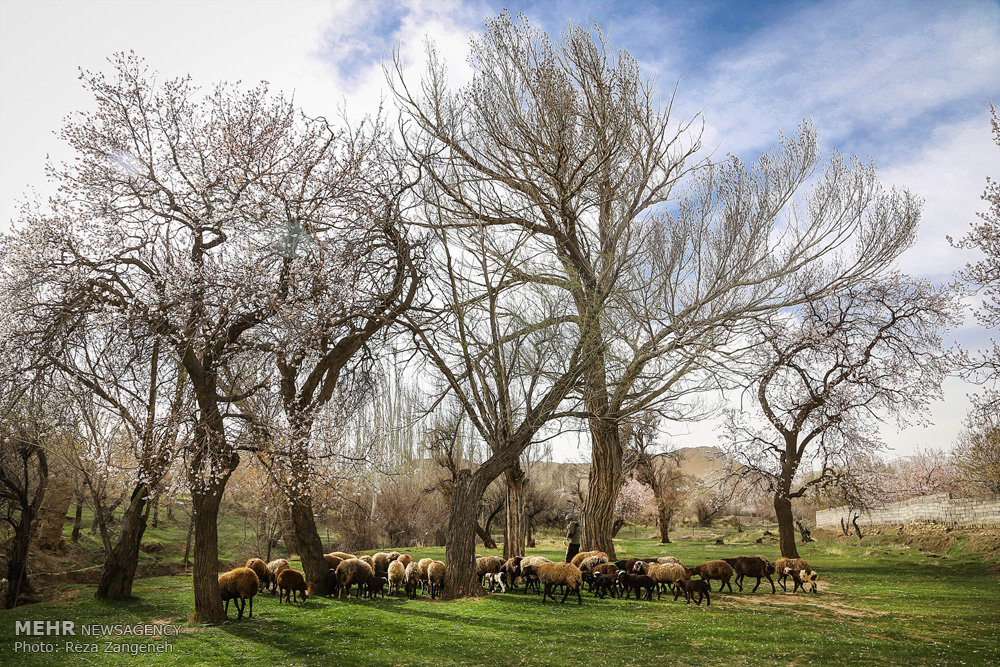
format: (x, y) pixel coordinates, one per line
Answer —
(369, 576)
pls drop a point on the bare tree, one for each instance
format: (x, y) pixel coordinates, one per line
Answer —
(569, 143)
(505, 354)
(823, 378)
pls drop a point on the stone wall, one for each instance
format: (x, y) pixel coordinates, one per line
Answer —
(940, 508)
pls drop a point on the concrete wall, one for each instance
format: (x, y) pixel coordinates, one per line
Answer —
(940, 508)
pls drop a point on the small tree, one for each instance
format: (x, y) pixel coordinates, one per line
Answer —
(977, 453)
(823, 377)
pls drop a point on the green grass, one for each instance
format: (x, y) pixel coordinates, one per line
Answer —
(878, 604)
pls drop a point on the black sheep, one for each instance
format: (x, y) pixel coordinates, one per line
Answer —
(605, 585)
(635, 582)
(692, 586)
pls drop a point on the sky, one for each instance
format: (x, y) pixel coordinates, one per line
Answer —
(906, 84)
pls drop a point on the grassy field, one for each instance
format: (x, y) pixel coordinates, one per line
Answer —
(878, 604)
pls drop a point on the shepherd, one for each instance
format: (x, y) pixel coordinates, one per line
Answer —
(573, 535)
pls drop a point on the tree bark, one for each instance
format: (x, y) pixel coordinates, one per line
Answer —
(309, 545)
(460, 549)
(786, 525)
(121, 562)
(515, 530)
(207, 596)
(17, 561)
(484, 535)
(663, 516)
(187, 547)
(156, 512)
(602, 487)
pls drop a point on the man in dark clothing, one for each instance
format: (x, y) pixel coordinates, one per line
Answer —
(573, 535)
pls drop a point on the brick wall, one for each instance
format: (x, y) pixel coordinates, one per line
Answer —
(940, 507)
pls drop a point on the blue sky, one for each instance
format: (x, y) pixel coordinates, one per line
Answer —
(905, 83)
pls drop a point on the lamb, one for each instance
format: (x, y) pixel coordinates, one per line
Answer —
(380, 562)
(412, 579)
(435, 577)
(715, 569)
(560, 574)
(487, 565)
(529, 570)
(375, 586)
(752, 566)
(590, 563)
(497, 580)
(605, 584)
(691, 586)
(239, 584)
(353, 571)
(626, 564)
(397, 575)
(783, 564)
(290, 583)
(513, 570)
(635, 582)
(259, 568)
(273, 568)
(802, 579)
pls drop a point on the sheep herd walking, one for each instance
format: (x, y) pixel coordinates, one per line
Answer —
(369, 576)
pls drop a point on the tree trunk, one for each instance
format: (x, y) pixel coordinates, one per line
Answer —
(288, 530)
(207, 597)
(17, 560)
(530, 530)
(663, 516)
(52, 515)
(786, 525)
(156, 512)
(77, 518)
(460, 548)
(602, 487)
(515, 530)
(121, 562)
(309, 545)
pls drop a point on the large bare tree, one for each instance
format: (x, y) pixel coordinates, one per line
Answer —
(823, 377)
(569, 142)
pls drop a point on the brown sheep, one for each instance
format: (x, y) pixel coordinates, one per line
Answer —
(273, 568)
(394, 555)
(584, 555)
(405, 559)
(715, 569)
(397, 573)
(332, 561)
(290, 584)
(259, 568)
(353, 571)
(240, 585)
(560, 574)
(436, 572)
(341, 555)
(368, 559)
(380, 563)
(412, 579)
(752, 566)
(487, 565)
